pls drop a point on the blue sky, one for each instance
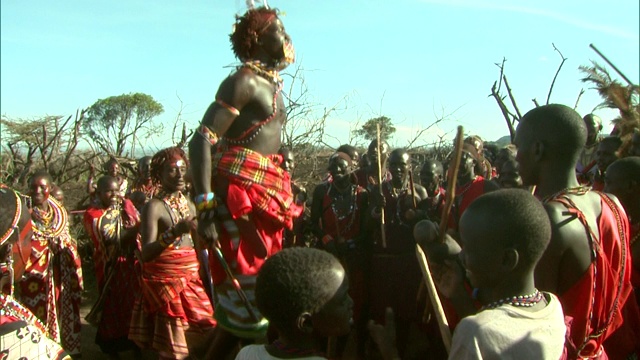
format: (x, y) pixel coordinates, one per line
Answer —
(410, 60)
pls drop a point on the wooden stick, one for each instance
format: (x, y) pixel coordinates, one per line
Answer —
(443, 324)
(610, 64)
(451, 184)
(382, 234)
(413, 189)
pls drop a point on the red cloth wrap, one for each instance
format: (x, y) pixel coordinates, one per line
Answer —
(172, 286)
(612, 313)
(465, 194)
(259, 186)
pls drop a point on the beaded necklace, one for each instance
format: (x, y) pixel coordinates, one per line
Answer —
(576, 190)
(53, 223)
(397, 194)
(248, 135)
(263, 70)
(11, 308)
(528, 300)
(179, 206)
(351, 211)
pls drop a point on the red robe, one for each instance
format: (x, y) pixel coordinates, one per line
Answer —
(395, 274)
(173, 302)
(101, 225)
(257, 185)
(602, 305)
(52, 283)
(349, 227)
(465, 194)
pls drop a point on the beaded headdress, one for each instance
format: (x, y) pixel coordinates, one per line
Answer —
(16, 218)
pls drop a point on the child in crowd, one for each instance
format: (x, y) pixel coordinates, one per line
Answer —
(303, 292)
(503, 235)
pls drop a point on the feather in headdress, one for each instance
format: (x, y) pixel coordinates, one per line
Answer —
(616, 96)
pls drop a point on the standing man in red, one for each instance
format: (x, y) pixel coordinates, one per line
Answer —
(52, 284)
(395, 273)
(242, 192)
(587, 262)
(174, 314)
(469, 185)
(113, 227)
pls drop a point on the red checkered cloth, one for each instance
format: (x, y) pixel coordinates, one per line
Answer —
(267, 185)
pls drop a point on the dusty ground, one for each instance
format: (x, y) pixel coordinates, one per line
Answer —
(89, 348)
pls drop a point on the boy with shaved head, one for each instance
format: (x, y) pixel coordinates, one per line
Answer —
(503, 235)
(588, 262)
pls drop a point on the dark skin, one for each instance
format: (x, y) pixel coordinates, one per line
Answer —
(568, 255)
(155, 217)
(252, 96)
(339, 190)
(606, 155)
(594, 126)
(144, 169)
(627, 190)
(109, 195)
(431, 176)
(399, 167)
(466, 172)
(40, 190)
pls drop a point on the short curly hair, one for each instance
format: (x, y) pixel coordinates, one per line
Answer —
(248, 28)
(292, 282)
(161, 158)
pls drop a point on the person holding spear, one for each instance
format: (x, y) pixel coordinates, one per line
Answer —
(397, 259)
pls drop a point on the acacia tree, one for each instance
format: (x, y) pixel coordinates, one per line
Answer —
(118, 123)
(48, 142)
(368, 131)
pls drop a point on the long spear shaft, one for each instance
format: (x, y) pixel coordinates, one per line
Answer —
(451, 184)
(382, 234)
(610, 64)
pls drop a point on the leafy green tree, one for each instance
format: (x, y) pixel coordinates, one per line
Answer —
(118, 123)
(368, 131)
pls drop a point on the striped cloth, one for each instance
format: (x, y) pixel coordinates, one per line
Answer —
(174, 303)
(266, 184)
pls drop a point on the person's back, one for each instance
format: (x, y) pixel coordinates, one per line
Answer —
(511, 332)
(587, 262)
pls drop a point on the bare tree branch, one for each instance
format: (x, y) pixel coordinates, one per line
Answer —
(578, 99)
(513, 99)
(557, 72)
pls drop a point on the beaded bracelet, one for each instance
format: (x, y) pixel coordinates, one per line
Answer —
(231, 109)
(167, 238)
(205, 201)
(209, 135)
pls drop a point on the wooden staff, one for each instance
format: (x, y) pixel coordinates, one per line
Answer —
(443, 324)
(413, 189)
(451, 184)
(382, 234)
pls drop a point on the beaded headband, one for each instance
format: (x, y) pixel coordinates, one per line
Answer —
(14, 223)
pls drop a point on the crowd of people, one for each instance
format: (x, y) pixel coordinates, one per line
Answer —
(204, 254)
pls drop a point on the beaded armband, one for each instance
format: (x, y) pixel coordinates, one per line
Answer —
(167, 238)
(228, 107)
(205, 201)
(208, 134)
